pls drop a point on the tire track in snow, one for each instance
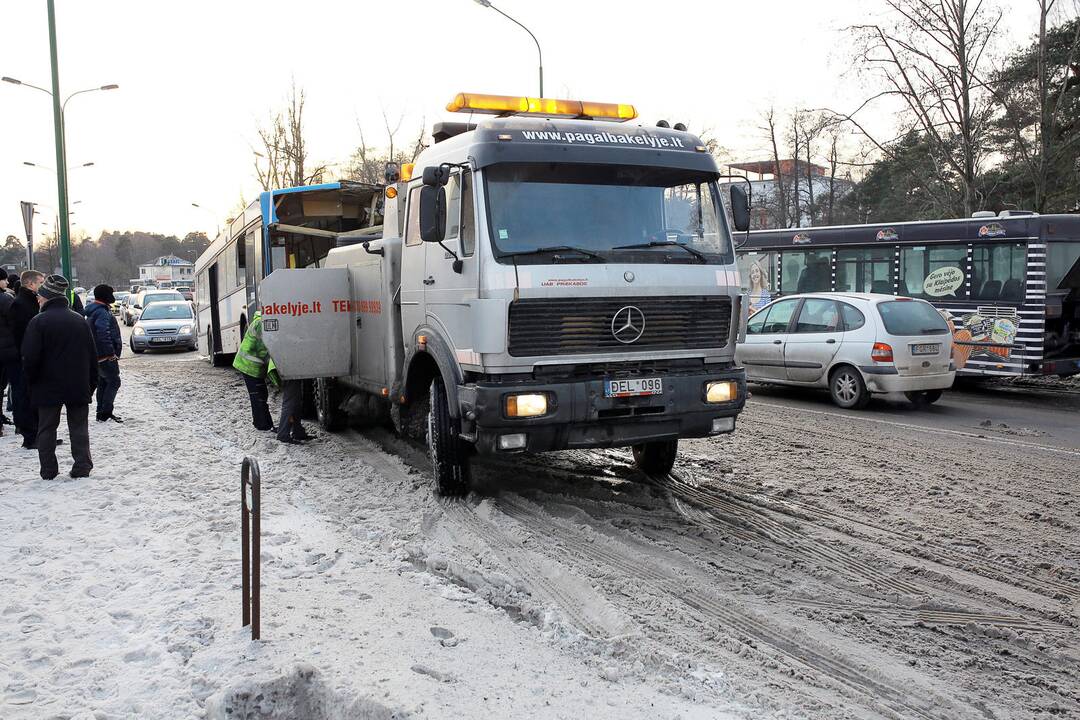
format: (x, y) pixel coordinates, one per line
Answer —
(876, 694)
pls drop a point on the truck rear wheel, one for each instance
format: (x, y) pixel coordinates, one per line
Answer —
(328, 405)
(449, 454)
(656, 458)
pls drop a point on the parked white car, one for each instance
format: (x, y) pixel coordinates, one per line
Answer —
(854, 344)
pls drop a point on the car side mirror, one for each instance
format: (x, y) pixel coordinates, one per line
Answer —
(740, 208)
(432, 212)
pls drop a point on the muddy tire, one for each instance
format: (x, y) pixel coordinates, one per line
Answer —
(449, 453)
(922, 398)
(847, 388)
(327, 401)
(656, 458)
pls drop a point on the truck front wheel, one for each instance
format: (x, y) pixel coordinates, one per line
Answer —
(328, 405)
(449, 454)
(656, 458)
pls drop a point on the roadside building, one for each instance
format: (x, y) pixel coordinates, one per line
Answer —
(806, 192)
(166, 271)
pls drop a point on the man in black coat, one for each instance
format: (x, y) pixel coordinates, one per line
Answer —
(60, 366)
(21, 312)
(9, 351)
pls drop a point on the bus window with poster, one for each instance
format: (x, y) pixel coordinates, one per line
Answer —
(757, 272)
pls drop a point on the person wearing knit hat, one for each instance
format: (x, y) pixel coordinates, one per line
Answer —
(109, 345)
(61, 371)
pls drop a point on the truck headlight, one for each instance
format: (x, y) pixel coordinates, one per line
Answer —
(138, 330)
(721, 391)
(526, 405)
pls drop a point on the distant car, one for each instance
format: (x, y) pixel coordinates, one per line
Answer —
(164, 324)
(854, 344)
(186, 292)
(147, 297)
(127, 309)
(118, 299)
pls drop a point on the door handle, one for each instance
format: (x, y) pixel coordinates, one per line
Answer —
(777, 342)
(831, 341)
(430, 280)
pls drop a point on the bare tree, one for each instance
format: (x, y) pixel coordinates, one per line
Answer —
(930, 59)
(282, 162)
(368, 162)
(780, 214)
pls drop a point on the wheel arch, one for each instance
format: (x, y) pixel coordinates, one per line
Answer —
(423, 363)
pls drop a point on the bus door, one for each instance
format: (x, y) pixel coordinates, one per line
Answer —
(251, 267)
(215, 318)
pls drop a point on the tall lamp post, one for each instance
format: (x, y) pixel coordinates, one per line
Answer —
(540, 55)
(61, 151)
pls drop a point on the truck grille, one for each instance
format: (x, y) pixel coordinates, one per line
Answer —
(568, 326)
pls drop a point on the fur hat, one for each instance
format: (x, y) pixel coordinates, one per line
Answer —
(104, 293)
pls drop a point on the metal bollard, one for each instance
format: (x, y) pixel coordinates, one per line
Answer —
(250, 480)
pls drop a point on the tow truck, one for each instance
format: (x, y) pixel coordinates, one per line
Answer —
(547, 276)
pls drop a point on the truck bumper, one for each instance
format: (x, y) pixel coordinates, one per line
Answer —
(580, 416)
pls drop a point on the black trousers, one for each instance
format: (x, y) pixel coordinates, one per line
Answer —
(260, 410)
(292, 396)
(26, 419)
(108, 386)
(48, 421)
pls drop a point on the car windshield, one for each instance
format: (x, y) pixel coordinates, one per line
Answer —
(595, 213)
(118, 296)
(911, 317)
(167, 311)
(161, 297)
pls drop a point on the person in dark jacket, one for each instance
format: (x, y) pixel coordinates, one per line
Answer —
(109, 345)
(21, 312)
(60, 367)
(9, 351)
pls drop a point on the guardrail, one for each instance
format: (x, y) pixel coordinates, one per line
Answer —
(250, 527)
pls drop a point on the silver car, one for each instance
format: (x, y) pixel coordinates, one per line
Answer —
(164, 324)
(854, 344)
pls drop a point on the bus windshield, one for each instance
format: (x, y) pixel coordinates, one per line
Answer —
(590, 213)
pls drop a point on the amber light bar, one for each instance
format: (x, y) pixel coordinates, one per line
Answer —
(511, 105)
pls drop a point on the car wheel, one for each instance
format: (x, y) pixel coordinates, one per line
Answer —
(922, 398)
(656, 458)
(449, 453)
(847, 388)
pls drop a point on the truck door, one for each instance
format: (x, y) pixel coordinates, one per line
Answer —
(813, 341)
(413, 276)
(447, 293)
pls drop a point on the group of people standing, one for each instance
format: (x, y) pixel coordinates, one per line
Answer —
(54, 358)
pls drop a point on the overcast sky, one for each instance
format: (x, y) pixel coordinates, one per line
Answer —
(196, 77)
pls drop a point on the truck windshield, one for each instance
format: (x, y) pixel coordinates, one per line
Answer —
(622, 213)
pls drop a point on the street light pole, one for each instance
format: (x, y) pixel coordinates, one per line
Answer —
(540, 55)
(61, 154)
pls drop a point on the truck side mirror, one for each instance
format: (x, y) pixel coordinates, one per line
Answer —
(740, 208)
(432, 212)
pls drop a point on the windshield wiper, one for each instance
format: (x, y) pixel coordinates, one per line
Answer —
(663, 243)
(554, 249)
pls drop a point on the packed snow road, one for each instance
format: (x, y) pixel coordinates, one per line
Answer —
(815, 564)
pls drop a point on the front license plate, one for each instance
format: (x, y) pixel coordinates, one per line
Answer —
(633, 387)
(161, 340)
(926, 349)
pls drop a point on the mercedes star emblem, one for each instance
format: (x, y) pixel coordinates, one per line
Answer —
(628, 324)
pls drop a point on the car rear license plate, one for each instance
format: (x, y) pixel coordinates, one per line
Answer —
(161, 340)
(633, 387)
(926, 349)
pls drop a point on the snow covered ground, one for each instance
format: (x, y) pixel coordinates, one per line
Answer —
(809, 566)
